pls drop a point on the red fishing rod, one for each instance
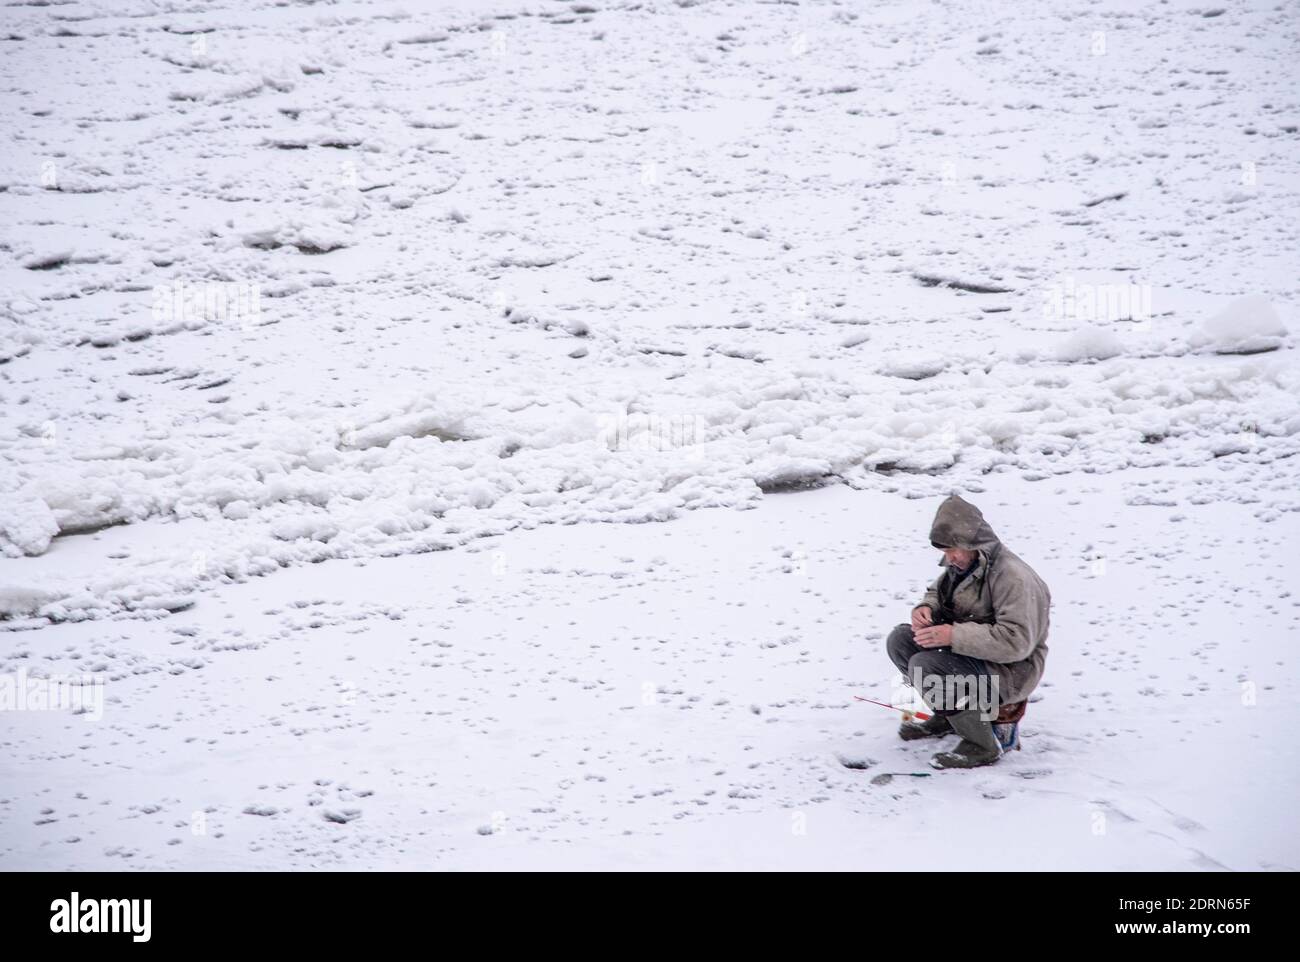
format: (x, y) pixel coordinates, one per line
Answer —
(908, 714)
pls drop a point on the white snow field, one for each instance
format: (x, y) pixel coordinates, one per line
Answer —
(327, 331)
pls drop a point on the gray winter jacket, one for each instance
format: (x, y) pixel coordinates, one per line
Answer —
(999, 612)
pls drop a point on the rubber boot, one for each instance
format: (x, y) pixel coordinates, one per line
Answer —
(932, 727)
(978, 745)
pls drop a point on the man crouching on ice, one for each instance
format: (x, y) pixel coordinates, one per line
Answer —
(977, 642)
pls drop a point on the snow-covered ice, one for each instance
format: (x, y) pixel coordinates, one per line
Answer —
(327, 332)
(659, 696)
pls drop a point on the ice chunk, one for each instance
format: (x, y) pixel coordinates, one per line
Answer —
(26, 524)
(1090, 344)
(1248, 325)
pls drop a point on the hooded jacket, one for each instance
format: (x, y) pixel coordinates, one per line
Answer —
(999, 611)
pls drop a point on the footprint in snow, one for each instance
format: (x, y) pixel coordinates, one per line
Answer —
(857, 762)
(342, 816)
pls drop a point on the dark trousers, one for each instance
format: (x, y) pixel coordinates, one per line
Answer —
(945, 680)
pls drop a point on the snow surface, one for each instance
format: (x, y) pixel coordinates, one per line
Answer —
(521, 266)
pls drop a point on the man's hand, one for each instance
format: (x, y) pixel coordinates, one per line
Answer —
(933, 636)
(921, 616)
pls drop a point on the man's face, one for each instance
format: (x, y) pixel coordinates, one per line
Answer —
(959, 558)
